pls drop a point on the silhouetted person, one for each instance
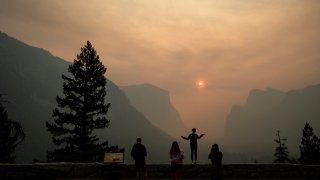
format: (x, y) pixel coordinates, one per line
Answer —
(176, 156)
(139, 153)
(193, 137)
(216, 160)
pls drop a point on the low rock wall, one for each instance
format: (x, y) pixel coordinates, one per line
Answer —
(99, 170)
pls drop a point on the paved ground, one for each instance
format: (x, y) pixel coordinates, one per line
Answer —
(183, 179)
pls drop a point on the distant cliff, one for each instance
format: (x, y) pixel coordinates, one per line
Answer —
(30, 79)
(155, 104)
(251, 128)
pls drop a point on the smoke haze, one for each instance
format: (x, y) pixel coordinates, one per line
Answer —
(233, 46)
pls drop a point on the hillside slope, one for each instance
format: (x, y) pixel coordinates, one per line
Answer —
(30, 80)
(155, 104)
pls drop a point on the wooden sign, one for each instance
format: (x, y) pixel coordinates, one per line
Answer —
(111, 157)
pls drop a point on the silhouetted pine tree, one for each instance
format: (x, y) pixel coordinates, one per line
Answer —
(310, 146)
(281, 153)
(81, 110)
(11, 135)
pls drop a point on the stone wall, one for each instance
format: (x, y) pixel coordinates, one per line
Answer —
(98, 170)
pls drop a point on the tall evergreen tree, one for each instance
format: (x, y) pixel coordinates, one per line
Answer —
(310, 146)
(81, 111)
(281, 152)
(11, 135)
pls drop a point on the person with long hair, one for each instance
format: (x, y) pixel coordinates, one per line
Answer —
(216, 160)
(176, 156)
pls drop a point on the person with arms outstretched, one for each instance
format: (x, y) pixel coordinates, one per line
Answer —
(193, 137)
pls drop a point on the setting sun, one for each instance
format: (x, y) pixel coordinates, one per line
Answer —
(200, 84)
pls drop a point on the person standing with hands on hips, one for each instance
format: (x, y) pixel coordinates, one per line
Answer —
(193, 137)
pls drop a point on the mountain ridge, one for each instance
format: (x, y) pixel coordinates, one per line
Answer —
(155, 104)
(30, 78)
(256, 125)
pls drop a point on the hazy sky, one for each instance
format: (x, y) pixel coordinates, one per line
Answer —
(233, 46)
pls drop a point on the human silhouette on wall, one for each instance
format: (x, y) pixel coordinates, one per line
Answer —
(193, 137)
(216, 161)
(139, 153)
(176, 156)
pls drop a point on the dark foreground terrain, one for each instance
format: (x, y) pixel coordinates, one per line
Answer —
(100, 171)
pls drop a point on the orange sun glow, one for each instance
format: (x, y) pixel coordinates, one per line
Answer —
(200, 84)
